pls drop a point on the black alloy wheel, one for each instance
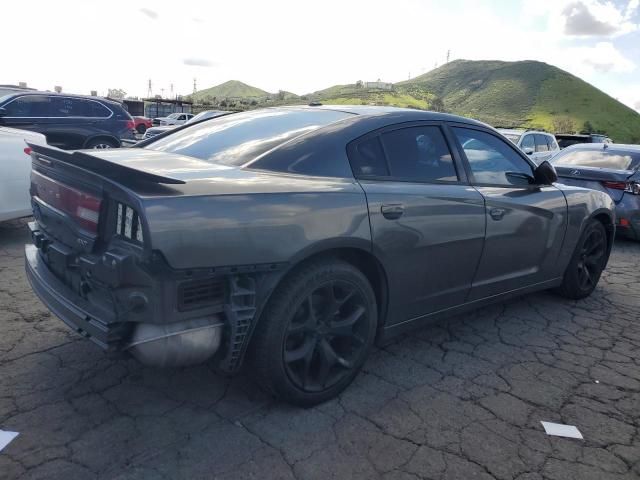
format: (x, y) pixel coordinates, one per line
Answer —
(590, 265)
(326, 336)
(587, 263)
(315, 332)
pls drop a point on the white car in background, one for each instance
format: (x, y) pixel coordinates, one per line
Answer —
(15, 165)
(540, 146)
(174, 119)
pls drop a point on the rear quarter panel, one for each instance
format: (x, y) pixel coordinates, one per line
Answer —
(257, 228)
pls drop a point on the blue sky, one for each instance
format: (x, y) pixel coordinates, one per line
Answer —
(302, 46)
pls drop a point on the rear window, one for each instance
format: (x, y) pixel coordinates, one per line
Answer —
(599, 158)
(239, 138)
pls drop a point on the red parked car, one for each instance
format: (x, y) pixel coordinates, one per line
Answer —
(142, 123)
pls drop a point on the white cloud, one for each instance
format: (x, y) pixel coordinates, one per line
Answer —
(603, 58)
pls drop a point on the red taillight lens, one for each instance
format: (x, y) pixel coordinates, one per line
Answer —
(629, 187)
(615, 185)
(81, 206)
(131, 124)
(28, 150)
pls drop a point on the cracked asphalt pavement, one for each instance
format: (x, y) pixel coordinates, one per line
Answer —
(462, 399)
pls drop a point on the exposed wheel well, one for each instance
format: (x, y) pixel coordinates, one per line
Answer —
(369, 265)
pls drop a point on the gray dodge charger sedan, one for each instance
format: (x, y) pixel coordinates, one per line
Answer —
(292, 239)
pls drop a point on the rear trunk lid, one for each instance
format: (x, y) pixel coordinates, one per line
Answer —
(607, 180)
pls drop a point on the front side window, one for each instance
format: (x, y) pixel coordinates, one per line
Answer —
(492, 160)
(29, 106)
(541, 143)
(420, 154)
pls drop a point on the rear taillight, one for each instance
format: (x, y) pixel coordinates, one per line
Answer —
(131, 124)
(629, 187)
(28, 150)
(81, 206)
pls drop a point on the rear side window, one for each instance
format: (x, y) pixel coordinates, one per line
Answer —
(541, 143)
(241, 137)
(368, 160)
(97, 110)
(599, 158)
(29, 106)
(420, 154)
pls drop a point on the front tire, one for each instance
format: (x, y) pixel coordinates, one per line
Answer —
(315, 333)
(587, 263)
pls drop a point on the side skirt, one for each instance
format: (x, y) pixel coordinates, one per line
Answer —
(392, 331)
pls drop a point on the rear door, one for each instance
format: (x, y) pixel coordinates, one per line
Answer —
(427, 223)
(525, 222)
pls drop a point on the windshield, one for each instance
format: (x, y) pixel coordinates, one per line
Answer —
(239, 138)
(599, 158)
(513, 137)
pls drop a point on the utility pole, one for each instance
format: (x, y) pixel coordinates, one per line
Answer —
(448, 55)
(194, 86)
(149, 91)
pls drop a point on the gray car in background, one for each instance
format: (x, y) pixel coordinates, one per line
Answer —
(610, 168)
(300, 236)
(540, 146)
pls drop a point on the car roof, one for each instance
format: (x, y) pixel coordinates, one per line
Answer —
(71, 95)
(410, 114)
(617, 147)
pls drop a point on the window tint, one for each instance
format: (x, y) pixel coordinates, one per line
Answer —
(29, 106)
(69, 107)
(239, 138)
(541, 143)
(96, 109)
(490, 158)
(420, 154)
(599, 158)
(528, 142)
(368, 159)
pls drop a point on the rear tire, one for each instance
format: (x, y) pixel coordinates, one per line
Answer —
(141, 128)
(587, 263)
(315, 333)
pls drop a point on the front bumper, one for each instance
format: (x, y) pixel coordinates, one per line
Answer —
(72, 309)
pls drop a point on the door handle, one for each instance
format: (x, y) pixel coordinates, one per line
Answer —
(497, 213)
(392, 211)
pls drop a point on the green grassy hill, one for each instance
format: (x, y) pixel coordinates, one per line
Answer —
(230, 89)
(512, 94)
(527, 94)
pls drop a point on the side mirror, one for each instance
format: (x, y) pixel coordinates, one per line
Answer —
(528, 150)
(545, 174)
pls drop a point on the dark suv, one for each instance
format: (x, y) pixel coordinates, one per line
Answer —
(68, 121)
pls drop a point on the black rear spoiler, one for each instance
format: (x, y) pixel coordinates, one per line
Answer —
(97, 165)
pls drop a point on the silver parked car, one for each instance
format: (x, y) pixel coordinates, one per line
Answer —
(610, 168)
(540, 146)
(153, 131)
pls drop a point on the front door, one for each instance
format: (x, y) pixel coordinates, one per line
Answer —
(427, 224)
(526, 222)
